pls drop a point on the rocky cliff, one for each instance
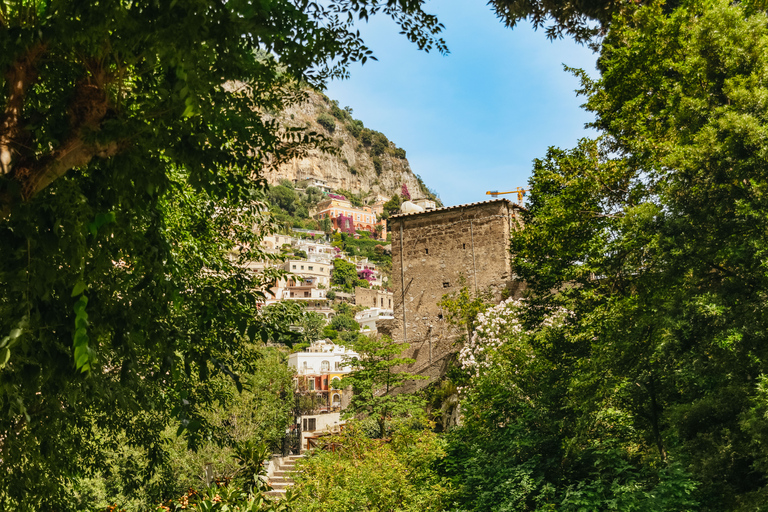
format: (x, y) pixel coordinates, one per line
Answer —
(367, 163)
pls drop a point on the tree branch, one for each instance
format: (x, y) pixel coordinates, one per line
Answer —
(89, 107)
(19, 77)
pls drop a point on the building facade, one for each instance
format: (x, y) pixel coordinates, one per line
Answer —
(319, 371)
(341, 210)
(371, 298)
(310, 273)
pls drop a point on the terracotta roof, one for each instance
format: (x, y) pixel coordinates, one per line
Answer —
(456, 207)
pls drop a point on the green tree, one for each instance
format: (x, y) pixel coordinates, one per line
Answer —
(132, 142)
(461, 308)
(392, 206)
(344, 274)
(312, 324)
(344, 322)
(326, 225)
(653, 237)
(374, 379)
(522, 443)
(283, 197)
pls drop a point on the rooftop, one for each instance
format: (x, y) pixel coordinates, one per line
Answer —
(457, 207)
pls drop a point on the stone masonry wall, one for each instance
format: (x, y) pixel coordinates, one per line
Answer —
(440, 252)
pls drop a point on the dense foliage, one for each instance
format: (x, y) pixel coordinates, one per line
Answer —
(364, 474)
(132, 140)
(633, 377)
(376, 373)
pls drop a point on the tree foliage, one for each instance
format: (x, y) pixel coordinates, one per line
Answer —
(132, 140)
(652, 237)
(367, 474)
(374, 379)
(344, 274)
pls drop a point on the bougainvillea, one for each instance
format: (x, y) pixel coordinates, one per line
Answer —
(366, 274)
(404, 192)
(346, 224)
(337, 196)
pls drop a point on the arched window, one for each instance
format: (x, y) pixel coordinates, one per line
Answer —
(325, 366)
(336, 400)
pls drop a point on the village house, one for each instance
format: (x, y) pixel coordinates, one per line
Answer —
(372, 298)
(319, 371)
(344, 216)
(312, 273)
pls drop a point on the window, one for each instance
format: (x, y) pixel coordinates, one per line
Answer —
(310, 424)
(302, 267)
(390, 303)
(337, 366)
(336, 400)
(294, 267)
(446, 284)
(426, 251)
(310, 268)
(325, 366)
(382, 302)
(311, 384)
(305, 365)
(463, 246)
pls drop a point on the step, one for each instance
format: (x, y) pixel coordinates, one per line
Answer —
(282, 477)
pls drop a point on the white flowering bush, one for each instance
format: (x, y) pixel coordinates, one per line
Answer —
(500, 346)
(492, 329)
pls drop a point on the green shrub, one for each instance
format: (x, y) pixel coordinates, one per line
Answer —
(355, 127)
(338, 113)
(327, 122)
(366, 137)
(377, 165)
(379, 144)
(364, 474)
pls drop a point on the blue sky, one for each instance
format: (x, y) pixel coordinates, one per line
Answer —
(475, 119)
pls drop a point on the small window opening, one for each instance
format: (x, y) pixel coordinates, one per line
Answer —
(426, 251)
(463, 246)
(446, 284)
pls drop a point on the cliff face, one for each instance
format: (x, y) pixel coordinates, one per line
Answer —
(367, 163)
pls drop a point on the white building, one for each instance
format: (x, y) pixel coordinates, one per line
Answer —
(309, 273)
(367, 319)
(319, 370)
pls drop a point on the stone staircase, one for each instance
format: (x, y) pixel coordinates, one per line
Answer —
(282, 477)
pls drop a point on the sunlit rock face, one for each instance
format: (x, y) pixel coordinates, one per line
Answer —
(356, 167)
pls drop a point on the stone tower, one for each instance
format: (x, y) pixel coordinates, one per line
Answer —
(437, 252)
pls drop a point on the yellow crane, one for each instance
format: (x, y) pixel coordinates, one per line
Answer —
(519, 191)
